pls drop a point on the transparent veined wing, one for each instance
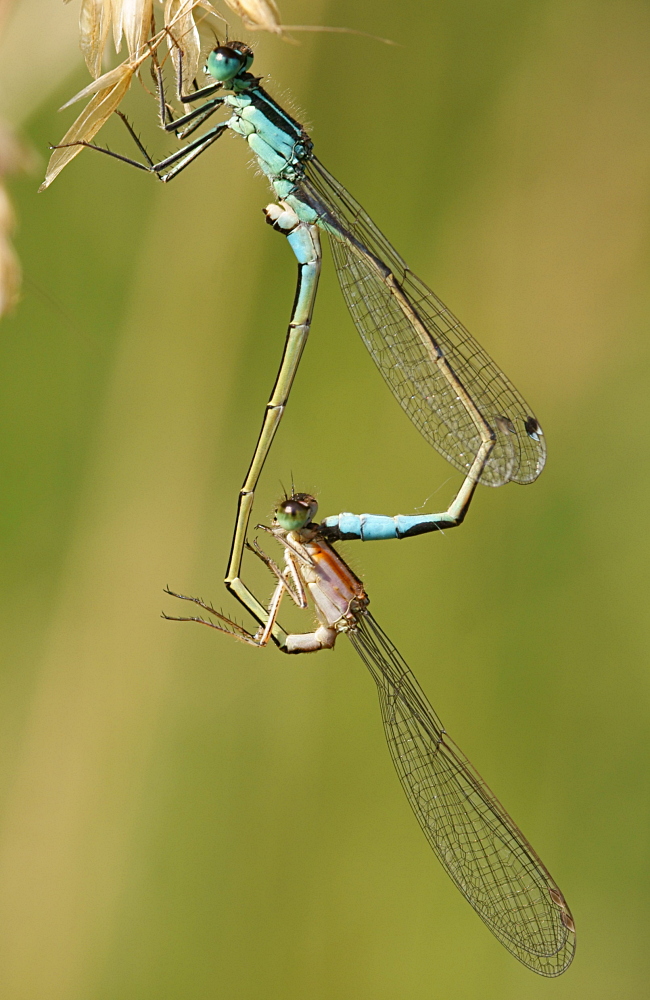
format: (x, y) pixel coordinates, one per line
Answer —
(474, 838)
(406, 356)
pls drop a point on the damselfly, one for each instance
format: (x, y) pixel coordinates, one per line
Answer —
(479, 846)
(447, 384)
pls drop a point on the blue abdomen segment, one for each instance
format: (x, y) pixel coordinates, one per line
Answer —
(376, 527)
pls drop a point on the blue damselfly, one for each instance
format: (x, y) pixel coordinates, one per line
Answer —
(448, 385)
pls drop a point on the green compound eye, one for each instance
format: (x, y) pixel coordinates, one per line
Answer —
(296, 511)
(226, 62)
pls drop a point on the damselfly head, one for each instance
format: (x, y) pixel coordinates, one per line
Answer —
(296, 511)
(226, 61)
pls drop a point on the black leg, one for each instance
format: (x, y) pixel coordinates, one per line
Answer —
(170, 166)
(200, 94)
(177, 161)
(165, 111)
(189, 153)
(149, 166)
(136, 139)
(198, 116)
(101, 149)
(196, 95)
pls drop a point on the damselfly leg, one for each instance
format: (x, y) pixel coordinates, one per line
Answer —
(288, 581)
(171, 166)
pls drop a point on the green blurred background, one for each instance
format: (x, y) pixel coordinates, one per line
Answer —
(184, 817)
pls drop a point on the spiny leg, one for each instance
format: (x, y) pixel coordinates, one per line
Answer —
(291, 578)
(305, 243)
(189, 153)
(197, 116)
(182, 157)
(177, 161)
(165, 110)
(270, 564)
(197, 94)
(233, 628)
(230, 626)
(290, 546)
